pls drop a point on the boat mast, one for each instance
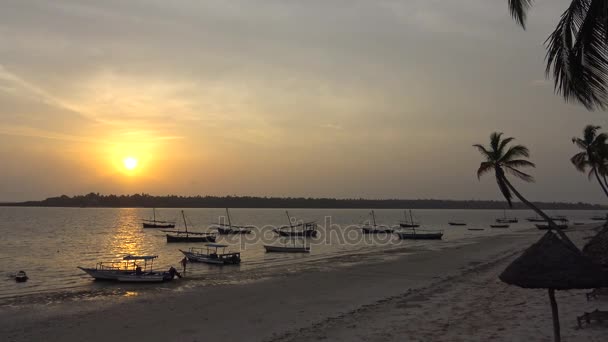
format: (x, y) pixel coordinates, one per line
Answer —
(412, 219)
(291, 229)
(374, 218)
(228, 215)
(185, 224)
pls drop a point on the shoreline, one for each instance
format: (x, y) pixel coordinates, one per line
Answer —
(266, 309)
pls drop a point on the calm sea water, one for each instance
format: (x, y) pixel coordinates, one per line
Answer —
(49, 243)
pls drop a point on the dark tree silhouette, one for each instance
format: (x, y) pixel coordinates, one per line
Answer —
(593, 156)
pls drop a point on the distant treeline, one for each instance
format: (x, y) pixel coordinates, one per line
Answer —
(172, 201)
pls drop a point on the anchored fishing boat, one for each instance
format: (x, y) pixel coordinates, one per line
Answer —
(211, 255)
(535, 219)
(186, 236)
(599, 218)
(302, 229)
(506, 219)
(374, 228)
(130, 269)
(546, 226)
(154, 223)
(230, 229)
(457, 223)
(419, 234)
(500, 225)
(408, 223)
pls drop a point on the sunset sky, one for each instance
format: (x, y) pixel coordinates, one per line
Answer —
(328, 98)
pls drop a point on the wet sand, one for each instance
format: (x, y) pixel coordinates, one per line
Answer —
(450, 294)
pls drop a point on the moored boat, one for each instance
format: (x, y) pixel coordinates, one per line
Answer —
(212, 255)
(21, 277)
(599, 218)
(501, 225)
(476, 229)
(130, 269)
(186, 236)
(374, 228)
(417, 234)
(287, 249)
(302, 229)
(408, 223)
(230, 229)
(154, 223)
(546, 226)
(457, 223)
(505, 219)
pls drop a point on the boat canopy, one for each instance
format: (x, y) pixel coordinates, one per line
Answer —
(140, 257)
(216, 245)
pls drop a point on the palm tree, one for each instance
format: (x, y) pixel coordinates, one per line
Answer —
(593, 155)
(577, 50)
(502, 160)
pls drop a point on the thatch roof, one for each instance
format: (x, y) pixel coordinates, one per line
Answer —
(554, 264)
(597, 248)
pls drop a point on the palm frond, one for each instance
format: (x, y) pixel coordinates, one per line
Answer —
(521, 175)
(514, 152)
(495, 142)
(515, 163)
(519, 9)
(577, 54)
(580, 143)
(589, 133)
(484, 152)
(484, 168)
(504, 143)
(579, 161)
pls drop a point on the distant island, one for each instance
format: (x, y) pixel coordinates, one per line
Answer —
(173, 201)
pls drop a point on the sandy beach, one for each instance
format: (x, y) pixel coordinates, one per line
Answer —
(446, 294)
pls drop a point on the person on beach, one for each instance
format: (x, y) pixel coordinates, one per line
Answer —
(184, 262)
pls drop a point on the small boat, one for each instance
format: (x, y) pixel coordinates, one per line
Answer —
(505, 219)
(578, 223)
(211, 255)
(420, 235)
(374, 228)
(408, 223)
(185, 236)
(21, 277)
(501, 225)
(546, 226)
(287, 249)
(302, 229)
(476, 229)
(560, 218)
(154, 223)
(457, 223)
(129, 269)
(229, 229)
(599, 218)
(535, 219)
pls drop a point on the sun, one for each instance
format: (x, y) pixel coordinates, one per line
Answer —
(130, 163)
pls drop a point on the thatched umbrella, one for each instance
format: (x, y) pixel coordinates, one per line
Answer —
(553, 264)
(597, 248)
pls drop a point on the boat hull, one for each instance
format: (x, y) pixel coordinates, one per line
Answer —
(105, 274)
(457, 224)
(286, 249)
(232, 259)
(306, 233)
(506, 221)
(190, 238)
(420, 236)
(155, 277)
(499, 226)
(158, 225)
(229, 231)
(377, 230)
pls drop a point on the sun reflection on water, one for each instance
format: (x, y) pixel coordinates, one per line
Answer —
(127, 238)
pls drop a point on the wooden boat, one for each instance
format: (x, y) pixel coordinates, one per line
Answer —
(506, 219)
(154, 223)
(501, 225)
(419, 235)
(546, 226)
(535, 219)
(185, 236)
(374, 228)
(408, 223)
(211, 255)
(456, 223)
(476, 229)
(229, 229)
(302, 229)
(130, 269)
(560, 218)
(599, 218)
(293, 248)
(21, 277)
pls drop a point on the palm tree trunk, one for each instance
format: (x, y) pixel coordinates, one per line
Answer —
(555, 313)
(551, 223)
(599, 180)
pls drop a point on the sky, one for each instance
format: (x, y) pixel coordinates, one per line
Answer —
(321, 98)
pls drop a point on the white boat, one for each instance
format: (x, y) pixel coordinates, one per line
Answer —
(211, 255)
(374, 228)
(127, 268)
